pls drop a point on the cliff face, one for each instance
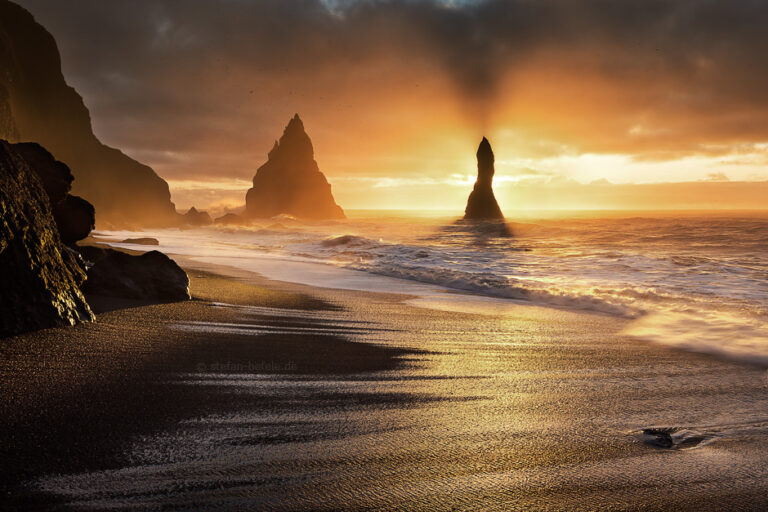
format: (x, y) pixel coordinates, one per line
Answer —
(291, 182)
(37, 105)
(482, 203)
(7, 124)
(39, 277)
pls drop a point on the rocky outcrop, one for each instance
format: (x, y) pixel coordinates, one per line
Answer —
(482, 203)
(231, 219)
(55, 176)
(39, 277)
(36, 104)
(291, 182)
(74, 216)
(150, 276)
(193, 217)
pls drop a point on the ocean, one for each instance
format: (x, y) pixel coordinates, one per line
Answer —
(692, 282)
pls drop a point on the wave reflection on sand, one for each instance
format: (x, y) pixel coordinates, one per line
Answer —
(533, 409)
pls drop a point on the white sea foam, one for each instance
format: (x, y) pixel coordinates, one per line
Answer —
(696, 284)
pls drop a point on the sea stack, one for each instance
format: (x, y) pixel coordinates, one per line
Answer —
(482, 203)
(291, 182)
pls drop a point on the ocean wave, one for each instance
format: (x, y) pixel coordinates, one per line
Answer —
(346, 240)
(502, 287)
(690, 283)
(730, 334)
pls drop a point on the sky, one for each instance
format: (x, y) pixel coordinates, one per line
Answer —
(658, 104)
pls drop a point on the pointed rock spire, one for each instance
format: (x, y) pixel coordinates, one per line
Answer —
(482, 203)
(291, 182)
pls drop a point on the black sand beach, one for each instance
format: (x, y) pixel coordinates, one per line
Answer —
(411, 255)
(263, 395)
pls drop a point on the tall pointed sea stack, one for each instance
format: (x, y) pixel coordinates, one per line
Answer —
(482, 203)
(290, 182)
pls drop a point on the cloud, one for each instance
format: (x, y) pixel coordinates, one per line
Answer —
(717, 176)
(216, 81)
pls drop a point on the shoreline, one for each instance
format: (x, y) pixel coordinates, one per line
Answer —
(93, 401)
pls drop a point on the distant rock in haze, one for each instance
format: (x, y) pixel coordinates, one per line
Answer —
(291, 182)
(74, 216)
(482, 203)
(193, 217)
(39, 277)
(141, 241)
(232, 219)
(36, 104)
(149, 276)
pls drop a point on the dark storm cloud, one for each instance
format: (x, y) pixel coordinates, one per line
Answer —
(169, 74)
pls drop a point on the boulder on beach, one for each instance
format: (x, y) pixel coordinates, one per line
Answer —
(36, 104)
(149, 276)
(39, 277)
(482, 203)
(290, 182)
(194, 217)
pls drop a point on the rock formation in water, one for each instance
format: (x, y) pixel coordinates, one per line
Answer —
(482, 203)
(291, 182)
(149, 276)
(36, 104)
(39, 277)
(231, 219)
(74, 216)
(141, 241)
(193, 217)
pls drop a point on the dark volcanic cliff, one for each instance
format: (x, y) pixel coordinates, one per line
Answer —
(482, 203)
(37, 105)
(291, 182)
(39, 277)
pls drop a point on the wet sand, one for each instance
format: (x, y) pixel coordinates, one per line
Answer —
(271, 396)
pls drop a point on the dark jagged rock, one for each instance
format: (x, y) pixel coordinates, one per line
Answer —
(74, 216)
(141, 241)
(193, 217)
(659, 437)
(39, 277)
(55, 176)
(36, 104)
(291, 182)
(150, 276)
(482, 203)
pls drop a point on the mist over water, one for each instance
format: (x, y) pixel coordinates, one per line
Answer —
(697, 283)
